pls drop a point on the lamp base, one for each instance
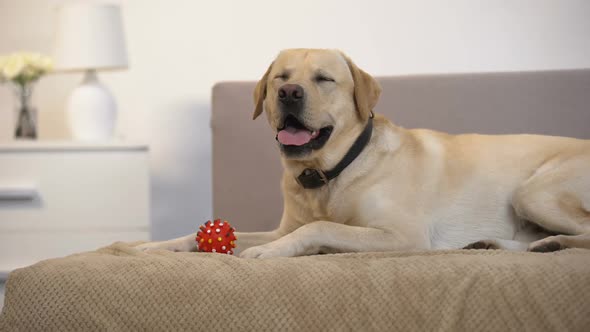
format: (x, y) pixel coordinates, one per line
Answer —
(91, 110)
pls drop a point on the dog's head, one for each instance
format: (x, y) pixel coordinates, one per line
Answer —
(313, 97)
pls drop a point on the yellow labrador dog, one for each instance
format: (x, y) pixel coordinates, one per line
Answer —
(356, 182)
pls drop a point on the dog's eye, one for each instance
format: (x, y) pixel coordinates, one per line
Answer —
(323, 78)
(283, 76)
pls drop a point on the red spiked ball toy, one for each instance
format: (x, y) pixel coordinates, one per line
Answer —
(216, 236)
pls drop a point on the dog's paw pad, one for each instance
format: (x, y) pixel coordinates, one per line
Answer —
(481, 245)
(548, 247)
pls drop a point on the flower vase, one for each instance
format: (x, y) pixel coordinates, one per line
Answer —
(26, 114)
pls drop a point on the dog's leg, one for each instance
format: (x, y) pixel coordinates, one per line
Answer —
(249, 240)
(558, 200)
(527, 233)
(189, 243)
(559, 242)
(184, 244)
(329, 236)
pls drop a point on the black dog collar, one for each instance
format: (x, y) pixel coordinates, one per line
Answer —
(314, 178)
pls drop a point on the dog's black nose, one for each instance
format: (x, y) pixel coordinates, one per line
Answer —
(290, 93)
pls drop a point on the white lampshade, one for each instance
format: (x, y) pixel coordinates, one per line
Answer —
(90, 36)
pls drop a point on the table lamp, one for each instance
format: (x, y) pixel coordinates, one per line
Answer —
(90, 38)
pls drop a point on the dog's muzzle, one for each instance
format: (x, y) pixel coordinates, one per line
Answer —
(291, 99)
(291, 94)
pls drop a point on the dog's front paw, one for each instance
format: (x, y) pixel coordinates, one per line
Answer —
(265, 251)
(549, 244)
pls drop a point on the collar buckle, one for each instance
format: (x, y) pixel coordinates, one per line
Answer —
(312, 178)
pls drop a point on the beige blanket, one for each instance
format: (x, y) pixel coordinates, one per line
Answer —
(121, 289)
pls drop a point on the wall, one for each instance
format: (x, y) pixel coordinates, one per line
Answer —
(179, 49)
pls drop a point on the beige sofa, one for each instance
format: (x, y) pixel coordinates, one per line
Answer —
(246, 167)
(121, 289)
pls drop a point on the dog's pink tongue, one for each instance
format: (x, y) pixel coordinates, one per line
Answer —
(294, 136)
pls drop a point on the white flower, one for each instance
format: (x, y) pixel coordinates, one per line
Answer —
(46, 64)
(24, 67)
(13, 67)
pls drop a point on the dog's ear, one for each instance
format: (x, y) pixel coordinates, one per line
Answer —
(260, 93)
(366, 90)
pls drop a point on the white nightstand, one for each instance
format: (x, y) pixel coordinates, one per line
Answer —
(60, 198)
